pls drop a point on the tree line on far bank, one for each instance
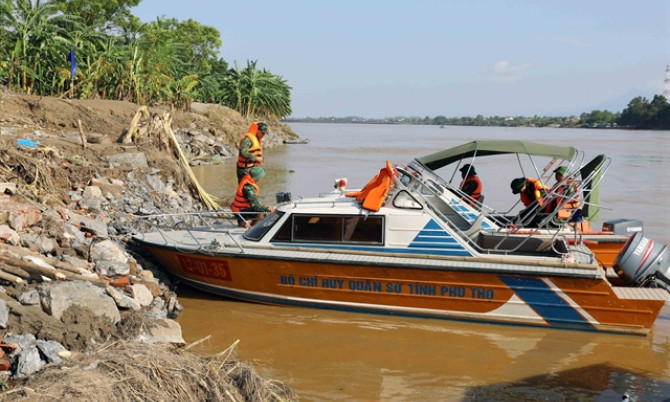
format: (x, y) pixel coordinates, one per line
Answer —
(639, 114)
(116, 56)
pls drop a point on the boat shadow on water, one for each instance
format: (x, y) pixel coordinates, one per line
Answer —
(474, 361)
(598, 382)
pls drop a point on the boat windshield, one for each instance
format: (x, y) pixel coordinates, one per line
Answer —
(262, 227)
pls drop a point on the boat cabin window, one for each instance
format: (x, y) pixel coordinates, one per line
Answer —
(332, 228)
(405, 178)
(405, 200)
(261, 228)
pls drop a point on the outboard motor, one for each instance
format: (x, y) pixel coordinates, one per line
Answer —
(643, 262)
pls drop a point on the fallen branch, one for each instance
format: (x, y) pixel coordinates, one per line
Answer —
(32, 268)
(198, 342)
(133, 131)
(210, 201)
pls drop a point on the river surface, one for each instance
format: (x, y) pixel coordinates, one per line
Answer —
(328, 355)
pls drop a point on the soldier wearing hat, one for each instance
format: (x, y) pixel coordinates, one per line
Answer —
(471, 185)
(246, 198)
(530, 190)
(251, 149)
(566, 188)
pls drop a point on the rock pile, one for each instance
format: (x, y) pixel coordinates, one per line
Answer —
(62, 261)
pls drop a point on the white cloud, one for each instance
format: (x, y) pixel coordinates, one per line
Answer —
(505, 71)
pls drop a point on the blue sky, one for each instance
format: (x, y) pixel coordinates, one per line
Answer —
(387, 58)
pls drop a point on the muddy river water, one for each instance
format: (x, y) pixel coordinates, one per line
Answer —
(327, 355)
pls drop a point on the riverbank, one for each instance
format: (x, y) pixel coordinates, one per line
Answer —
(75, 298)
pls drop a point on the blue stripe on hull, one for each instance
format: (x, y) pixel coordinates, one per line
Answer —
(546, 302)
(435, 238)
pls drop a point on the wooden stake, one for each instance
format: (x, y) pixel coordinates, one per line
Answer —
(82, 135)
(51, 261)
(49, 273)
(9, 277)
(16, 271)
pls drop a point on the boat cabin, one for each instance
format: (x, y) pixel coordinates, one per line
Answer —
(417, 216)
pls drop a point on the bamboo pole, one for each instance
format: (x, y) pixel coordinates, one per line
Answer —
(209, 200)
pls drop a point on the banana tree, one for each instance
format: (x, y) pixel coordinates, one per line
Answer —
(253, 92)
(33, 27)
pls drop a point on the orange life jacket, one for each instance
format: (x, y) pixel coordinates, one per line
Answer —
(373, 195)
(534, 191)
(240, 203)
(476, 195)
(566, 208)
(256, 148)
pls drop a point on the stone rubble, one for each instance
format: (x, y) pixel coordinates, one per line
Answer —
(90, 236)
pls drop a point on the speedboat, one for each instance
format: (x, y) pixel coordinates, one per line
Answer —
(407, 244)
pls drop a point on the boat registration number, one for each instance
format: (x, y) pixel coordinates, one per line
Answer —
(205, 267)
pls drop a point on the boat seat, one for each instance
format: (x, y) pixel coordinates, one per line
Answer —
(444, 209)
(476, 227)
(523, 244)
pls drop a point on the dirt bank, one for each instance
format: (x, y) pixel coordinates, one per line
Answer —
(57, 125)
(67, 187)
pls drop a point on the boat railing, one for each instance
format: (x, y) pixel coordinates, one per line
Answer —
(535, 218)
(430, 195)
(224, 222)
(586, 179)
(324, 200)
(428, 174)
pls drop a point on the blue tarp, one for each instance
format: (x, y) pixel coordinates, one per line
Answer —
(28, 143)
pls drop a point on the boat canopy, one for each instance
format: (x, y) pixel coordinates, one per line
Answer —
(440, 159)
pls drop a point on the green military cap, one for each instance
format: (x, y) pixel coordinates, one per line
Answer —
(517, 184)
